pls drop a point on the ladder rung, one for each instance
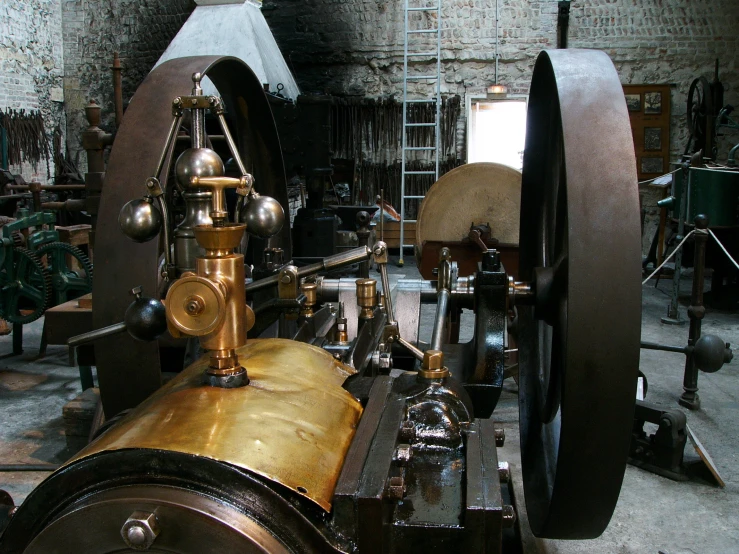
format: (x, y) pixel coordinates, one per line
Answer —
(426, 9)
(409, 221)
(419, 31)
(413, 197)
(422, 54)
(420, 148)
(420, 101)
(420, 173)
(419, 77)
(420, 124)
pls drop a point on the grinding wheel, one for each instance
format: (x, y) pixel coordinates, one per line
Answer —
(580, 247)
(476, 194)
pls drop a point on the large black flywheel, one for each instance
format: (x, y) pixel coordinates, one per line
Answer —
(580, 247)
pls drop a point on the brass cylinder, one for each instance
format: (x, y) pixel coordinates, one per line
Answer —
(229, 272)
(366, 297)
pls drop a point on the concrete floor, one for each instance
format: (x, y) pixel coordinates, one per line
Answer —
(654, 515)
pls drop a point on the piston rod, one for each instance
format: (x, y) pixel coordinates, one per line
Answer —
(336, 261)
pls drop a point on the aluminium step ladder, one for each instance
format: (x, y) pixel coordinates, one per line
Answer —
(412, 50)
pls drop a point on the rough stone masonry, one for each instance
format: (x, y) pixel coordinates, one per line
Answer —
(354, 47)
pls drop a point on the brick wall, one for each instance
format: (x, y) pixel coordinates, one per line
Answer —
(139, 30)
(31, 66)
(356, 46)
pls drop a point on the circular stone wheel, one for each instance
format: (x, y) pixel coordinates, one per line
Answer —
(474, 193)
(580, 246)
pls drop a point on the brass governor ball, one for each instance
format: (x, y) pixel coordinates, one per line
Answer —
(263, 215)
(140, 220)
(197, 162)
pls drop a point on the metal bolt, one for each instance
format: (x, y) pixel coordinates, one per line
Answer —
(396, 488)
(194, 305)
(504, 472)
(286, 279)
(140, 530)
(499, 437)
(509, 516)
(403, 454)
(407, 432)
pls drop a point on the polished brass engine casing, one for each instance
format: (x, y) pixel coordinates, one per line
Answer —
(293, 424)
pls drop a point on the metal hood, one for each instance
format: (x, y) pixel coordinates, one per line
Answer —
(233, 28)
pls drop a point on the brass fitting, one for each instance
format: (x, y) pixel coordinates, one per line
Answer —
(342, 335)
(310, 291)
(433, 365)
(366, 297)
(211, 303)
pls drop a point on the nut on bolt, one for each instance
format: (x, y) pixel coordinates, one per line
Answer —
(403, 454)
(396, 488)
(504, 472)
(499, 437)
(407, 432)
(509, 516)
(140, 530)
(432, 366)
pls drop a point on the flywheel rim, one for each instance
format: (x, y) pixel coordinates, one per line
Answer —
(579, 220)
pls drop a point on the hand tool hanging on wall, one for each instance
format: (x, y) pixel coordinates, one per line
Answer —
(26, 135)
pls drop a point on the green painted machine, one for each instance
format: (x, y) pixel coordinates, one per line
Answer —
(35, 268)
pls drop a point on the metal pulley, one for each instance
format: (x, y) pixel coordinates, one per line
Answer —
(579, 334)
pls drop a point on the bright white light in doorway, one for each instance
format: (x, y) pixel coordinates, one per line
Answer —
(498, 132)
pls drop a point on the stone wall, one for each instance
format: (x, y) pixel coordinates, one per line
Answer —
(356, 46)
(139, 30)
(32, 66)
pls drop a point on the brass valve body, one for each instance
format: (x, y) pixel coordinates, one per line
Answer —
(211, 303)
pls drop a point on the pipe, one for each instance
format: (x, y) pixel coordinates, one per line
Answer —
(71, 205)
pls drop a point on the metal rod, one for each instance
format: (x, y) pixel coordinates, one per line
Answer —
(336, 261)
(696, 312)
(7, 468)
(96, 334)
(412, 349)
(442, 311)
(165, 232)
(382, 214)
(170, 137)
(673, 311)
(664, 347)
(386, 293)
(58, 188)
(231, 144)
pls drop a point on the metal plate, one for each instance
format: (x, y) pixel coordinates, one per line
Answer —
(128, 370)
(292, 424)
(580, 216)
(471, 194)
